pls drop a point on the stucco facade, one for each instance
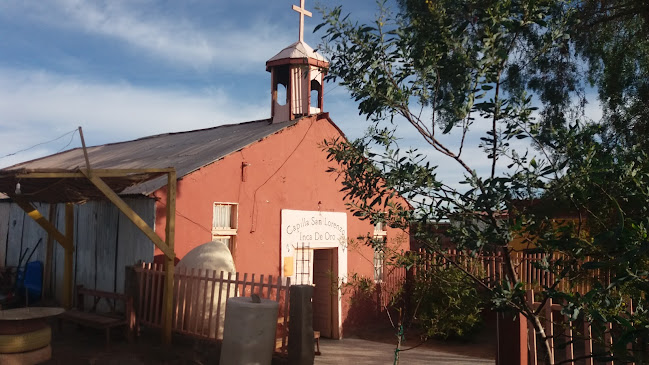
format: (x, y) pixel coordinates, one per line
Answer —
(286, 170)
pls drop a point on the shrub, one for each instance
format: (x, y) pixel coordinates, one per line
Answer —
(447, 303)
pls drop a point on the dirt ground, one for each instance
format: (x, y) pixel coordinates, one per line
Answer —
(86, 346)
(481, 345)
(81, 346)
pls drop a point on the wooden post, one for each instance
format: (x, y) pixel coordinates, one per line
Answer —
(170, 232)
(512, 339)
(47, 271)
(69, 250)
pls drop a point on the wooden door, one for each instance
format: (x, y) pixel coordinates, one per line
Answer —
(323, 276)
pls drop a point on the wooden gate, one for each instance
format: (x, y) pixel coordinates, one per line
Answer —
(196, 291)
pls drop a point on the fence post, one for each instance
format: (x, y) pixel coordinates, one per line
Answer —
(408, 290)
(300, 326)
(379, 297)
(512, 340)
(132, 289)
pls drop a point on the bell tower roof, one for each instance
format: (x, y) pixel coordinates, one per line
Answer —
(298, 52)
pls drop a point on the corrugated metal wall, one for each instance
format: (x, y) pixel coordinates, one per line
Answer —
(105, 242)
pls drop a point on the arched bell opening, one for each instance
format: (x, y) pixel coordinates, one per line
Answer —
(316, 97)
(280, 93)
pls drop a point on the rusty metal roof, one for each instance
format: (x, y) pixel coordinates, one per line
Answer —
(184, 151)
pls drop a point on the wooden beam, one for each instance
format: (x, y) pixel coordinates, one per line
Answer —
(85, 150)
(49, 175)
(34, 214)
(47, 274)
(170, 233)
(99, 172)
(129, 213)
(68, 258)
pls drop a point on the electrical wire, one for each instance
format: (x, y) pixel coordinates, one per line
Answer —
(253, 215)
(42, 143)
(69, 142)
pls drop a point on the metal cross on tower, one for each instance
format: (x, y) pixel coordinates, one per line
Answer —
(302, 12)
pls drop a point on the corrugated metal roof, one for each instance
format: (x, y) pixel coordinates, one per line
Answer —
(185, 151)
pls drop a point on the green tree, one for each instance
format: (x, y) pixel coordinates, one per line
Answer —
(509, 78)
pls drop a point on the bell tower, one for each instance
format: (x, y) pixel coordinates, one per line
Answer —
(297, 78)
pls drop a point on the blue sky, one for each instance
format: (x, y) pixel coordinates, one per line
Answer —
(124, 69)
(127, 69)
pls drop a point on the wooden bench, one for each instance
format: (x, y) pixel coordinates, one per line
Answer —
(100, 320)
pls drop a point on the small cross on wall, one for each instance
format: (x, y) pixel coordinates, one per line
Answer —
(302, 12)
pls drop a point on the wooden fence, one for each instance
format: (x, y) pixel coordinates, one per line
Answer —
(391, 286)
(490, 268)
(571, 342)
(197, 294)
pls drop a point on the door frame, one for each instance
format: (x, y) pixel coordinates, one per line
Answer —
(335, 299)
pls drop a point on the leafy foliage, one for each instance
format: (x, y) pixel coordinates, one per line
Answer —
(448, 303)
(509, 78)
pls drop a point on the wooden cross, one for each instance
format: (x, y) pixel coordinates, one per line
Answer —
(302, 12)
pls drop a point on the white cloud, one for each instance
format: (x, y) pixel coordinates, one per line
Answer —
(39, 106)
(171, 38)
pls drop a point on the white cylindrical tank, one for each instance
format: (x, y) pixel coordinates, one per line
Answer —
(249, 332)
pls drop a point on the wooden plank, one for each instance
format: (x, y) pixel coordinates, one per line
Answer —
(130, 214)
(190, 299)
(178, 299)
(217, 330)
(170, 233)
(608, 341)
(196, 301)
(204, 299)
(59, 174)
(85, 242)
(531, 336)
(209, 321)
(15, 235)
(146, 312)
(133, 246)
(159, 287)
(68, 272)
(105, 249)
(49, 175)
(59, 256)
(570, 346)
(5, 207)
(588, 343)
(140, 305)
(183, 295)
(245, 282)
(286, 312)
(49, 254)
(36, 215)
(35, 237)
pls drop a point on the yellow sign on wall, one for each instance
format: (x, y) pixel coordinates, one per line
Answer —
(288, 266)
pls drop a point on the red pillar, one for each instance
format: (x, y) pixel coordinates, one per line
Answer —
(512, 340)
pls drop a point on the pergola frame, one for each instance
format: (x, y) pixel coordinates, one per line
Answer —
(66, 240)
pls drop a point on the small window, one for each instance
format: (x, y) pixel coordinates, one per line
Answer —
(224, 224)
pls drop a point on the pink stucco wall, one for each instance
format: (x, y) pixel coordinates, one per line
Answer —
(285, 171)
